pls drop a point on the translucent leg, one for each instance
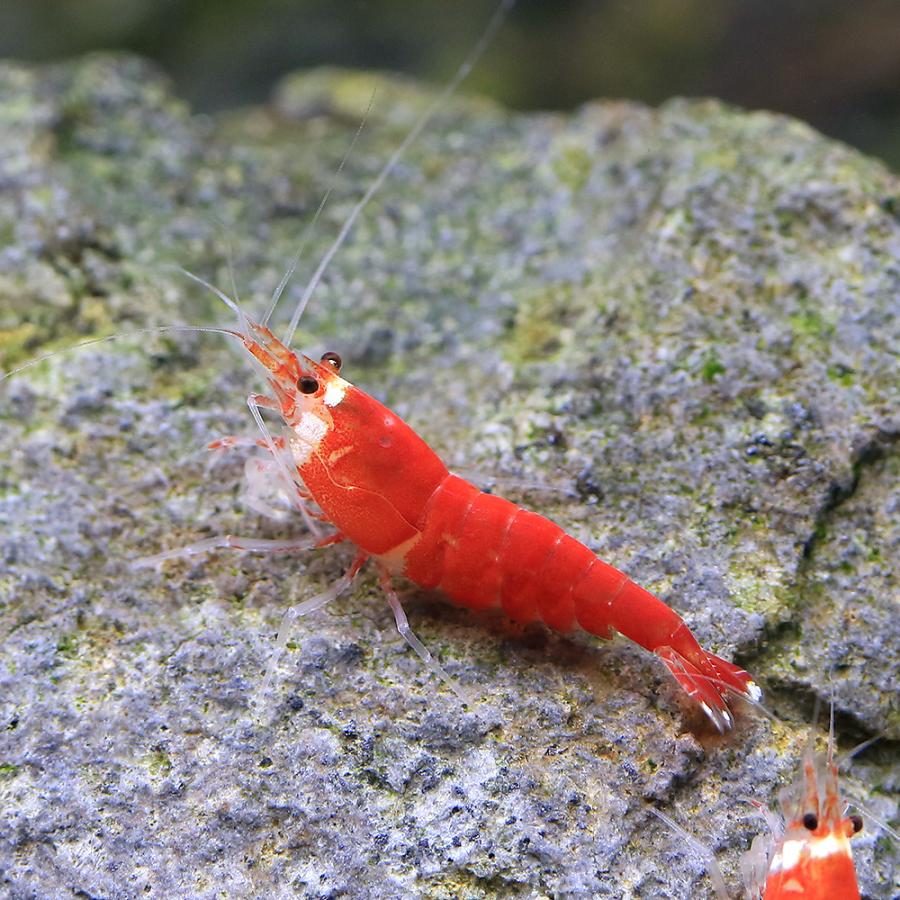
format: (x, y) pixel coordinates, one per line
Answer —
(702, 850)
(257, 402)
(264, 490)
(229, 442)
(301, 609)
(407, 634)
(233, 542)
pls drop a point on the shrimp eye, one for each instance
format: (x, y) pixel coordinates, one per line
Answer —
(332, 359)
(306, 384)
(811, 821)
(857, 823)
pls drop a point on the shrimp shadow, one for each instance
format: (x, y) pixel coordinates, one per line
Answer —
(614, 673)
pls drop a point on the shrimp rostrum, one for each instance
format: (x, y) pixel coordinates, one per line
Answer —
(383, 489)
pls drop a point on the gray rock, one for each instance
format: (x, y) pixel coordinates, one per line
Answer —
(674, 331)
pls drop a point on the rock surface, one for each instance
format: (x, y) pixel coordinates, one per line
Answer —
(674, 331)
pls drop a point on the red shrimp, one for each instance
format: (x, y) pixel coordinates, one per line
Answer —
(807, 854)
(386, 491)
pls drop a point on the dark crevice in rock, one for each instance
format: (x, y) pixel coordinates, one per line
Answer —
(881, 442)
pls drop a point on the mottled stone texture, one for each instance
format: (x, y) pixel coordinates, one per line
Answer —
(674, 331)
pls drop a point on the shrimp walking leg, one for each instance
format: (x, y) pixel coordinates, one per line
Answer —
(301, 609)
(409, 636)
(234, 542)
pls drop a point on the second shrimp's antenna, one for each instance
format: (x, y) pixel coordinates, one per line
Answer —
(461, 73)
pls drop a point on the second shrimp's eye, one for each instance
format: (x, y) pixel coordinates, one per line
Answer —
(306, 384)
(811, 821)
(857, 823)
(332, 359)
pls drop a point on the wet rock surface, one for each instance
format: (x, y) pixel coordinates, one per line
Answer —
(673, 331)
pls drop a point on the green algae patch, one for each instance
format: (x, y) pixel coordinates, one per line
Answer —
(757, 592)
(712, 367)
(15, 344)
(841, 375)
(545, 323)
(158, 764)
(572, 165)
(810, 324)
(67, 646)
(353, 96)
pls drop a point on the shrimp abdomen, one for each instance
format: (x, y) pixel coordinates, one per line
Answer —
(462, 533)
(484, 552)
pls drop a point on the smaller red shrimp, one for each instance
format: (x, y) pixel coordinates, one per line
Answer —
(806, 853)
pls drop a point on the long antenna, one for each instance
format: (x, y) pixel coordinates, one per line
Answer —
(461, 74)
(156, 329)
(276, 294)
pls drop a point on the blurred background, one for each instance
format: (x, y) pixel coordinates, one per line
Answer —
(833, 63)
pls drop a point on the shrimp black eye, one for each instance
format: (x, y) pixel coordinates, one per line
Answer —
(857, 823)
(332, 359)
(306, 384)
(811, 821)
